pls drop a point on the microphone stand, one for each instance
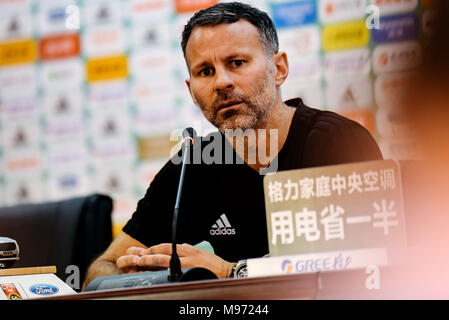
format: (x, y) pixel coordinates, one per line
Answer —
(175, 263)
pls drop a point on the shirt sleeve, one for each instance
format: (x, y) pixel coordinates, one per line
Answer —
(336, 140)
(151, 222)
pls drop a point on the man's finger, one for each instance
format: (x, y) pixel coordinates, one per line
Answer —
(154, 261)
(162, 262)
(138, 251)
(163, 248)
(166, 248)
(127, 261)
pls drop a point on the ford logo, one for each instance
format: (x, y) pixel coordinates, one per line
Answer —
(44, 289)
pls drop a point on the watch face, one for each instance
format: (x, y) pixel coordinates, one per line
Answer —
(241, 270)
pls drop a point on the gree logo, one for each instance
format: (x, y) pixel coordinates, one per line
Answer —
(287, 266)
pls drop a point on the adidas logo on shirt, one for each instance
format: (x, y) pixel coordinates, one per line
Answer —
(222, 227)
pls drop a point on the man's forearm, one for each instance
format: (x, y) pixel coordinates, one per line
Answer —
(100, 268)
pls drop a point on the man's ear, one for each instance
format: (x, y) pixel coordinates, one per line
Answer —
(280, 61)
(190, 91)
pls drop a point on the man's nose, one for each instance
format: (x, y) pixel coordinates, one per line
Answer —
(223, 81)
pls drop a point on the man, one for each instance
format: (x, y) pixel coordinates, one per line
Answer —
(236, 72)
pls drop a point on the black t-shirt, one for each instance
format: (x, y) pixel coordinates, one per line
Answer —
(224, 203)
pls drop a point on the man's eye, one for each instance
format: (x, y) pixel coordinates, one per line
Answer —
(205, 72)
(237, 63)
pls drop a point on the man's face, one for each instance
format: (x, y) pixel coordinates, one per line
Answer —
(231, 78)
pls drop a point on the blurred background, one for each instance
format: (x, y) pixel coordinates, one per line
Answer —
(93, 98)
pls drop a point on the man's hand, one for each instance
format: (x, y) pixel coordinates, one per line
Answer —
(158, 258)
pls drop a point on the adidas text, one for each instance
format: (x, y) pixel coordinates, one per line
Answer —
(222, 231)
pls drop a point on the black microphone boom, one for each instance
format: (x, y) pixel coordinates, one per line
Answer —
(176, 273)
(175, 263)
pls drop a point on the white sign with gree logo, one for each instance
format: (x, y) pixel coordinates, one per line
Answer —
(332, 218)
(317, 262)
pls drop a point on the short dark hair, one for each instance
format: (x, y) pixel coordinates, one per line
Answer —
(230, 12)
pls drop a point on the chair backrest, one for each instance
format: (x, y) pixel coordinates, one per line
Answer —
(61, 233)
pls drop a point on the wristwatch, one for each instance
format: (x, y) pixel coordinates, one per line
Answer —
(240, 270)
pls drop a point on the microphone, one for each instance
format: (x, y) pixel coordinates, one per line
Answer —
(175, 264)
(176, 274)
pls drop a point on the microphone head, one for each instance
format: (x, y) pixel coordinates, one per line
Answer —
(189, 133)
